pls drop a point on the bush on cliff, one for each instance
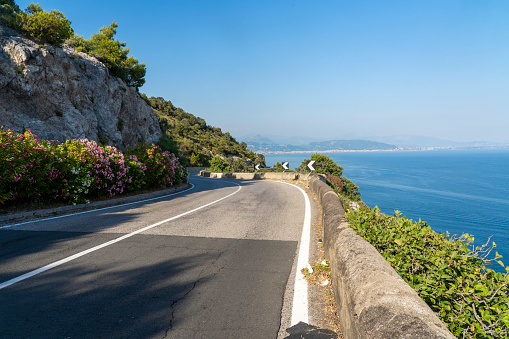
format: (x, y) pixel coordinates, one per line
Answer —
(51, 27)
(75, 171)
(9, 11)
(449, 273)
(327, 166)
(113, 53)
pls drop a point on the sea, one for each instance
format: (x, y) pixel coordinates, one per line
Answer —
(455, 191)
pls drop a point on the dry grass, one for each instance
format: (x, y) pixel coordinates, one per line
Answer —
(321, 274)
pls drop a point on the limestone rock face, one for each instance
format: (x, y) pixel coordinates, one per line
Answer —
(60, 94)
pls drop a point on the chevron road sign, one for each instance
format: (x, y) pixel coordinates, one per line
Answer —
(258, 166)
(311, 165)
(286, 165)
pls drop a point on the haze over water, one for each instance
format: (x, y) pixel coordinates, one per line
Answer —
(460, 191)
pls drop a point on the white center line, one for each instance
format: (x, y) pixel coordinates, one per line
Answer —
(97, 209)
(80, 254)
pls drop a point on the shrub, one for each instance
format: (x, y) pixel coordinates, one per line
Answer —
(51, 27)
(329, 167)
(9, 12)
(324, 165)
(219, 165)
(75, 171)
(449, 273)
(237, 165)
(112, 53)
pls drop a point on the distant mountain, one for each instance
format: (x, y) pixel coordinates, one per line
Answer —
(260, 139)
(281, 140)
(322, 146)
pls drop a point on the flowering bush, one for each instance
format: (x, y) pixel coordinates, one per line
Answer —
(75, 171)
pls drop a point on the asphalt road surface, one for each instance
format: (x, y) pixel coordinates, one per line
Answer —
(185, 266)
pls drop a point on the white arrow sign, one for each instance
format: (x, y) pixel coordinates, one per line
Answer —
(257, 167)
(286, 165)
(311, 165)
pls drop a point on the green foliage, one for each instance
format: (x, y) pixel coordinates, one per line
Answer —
(79, 43)
(449, 273)
(9, 12)
(51, 27)
(113, 53)
(169, 145)
(197, 142)
(237, 165)
(327, 166)
(120, 124)
(219, 165)
(324, 165)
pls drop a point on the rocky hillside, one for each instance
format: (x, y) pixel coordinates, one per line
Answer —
(59, 94)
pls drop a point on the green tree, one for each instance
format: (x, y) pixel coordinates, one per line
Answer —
(219, 165)
(323, 165)
(9, 12)
(195, 159)
(51, 27)
(113, 53)
(327, 166)
(237, 165)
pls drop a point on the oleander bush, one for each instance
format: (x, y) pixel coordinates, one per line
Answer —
(78, 170)
(450, 274)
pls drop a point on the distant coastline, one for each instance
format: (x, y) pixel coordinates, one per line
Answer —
(417, 149)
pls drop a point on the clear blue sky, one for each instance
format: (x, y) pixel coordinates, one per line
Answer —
(329, 69)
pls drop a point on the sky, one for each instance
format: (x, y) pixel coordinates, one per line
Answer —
(322, 69)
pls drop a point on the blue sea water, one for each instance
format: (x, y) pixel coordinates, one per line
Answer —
(459, 191)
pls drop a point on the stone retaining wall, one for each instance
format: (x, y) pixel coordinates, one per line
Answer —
(373, 300)
(261, 175)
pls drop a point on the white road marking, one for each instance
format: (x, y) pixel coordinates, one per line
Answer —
(300, 291)
(97, 209)
(80, 254)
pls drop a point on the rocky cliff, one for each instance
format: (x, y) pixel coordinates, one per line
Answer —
(59, 94)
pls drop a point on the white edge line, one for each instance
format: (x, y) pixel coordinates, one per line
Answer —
(300, 291)
(80, 254)
(96, 209)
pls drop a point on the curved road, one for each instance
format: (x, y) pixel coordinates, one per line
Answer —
(210, 262)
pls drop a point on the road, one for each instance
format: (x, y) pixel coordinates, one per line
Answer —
(211, 262)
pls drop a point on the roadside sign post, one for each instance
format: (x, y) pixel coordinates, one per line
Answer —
(257, 167)
(311, 166)
(286, 165)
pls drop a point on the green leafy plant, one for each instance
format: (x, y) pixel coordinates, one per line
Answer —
(120, 124)
(218, 164)
(113, 53)
(195, 141)
(450, 274)
(327, 166)
(9, 12)
(51, 27)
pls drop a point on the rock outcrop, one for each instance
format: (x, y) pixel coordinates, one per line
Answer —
(60, 94)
